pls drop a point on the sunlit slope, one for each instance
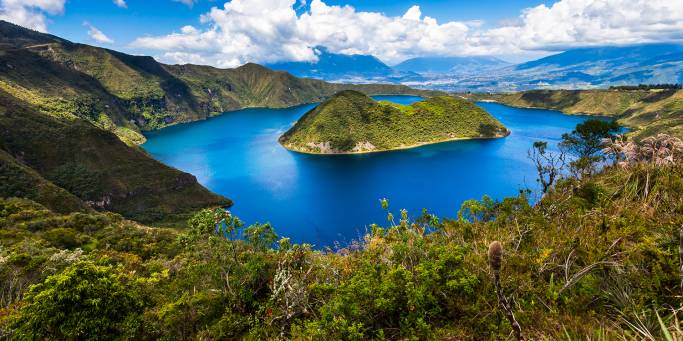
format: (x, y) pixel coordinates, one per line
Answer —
(351, 122)
(648, 112)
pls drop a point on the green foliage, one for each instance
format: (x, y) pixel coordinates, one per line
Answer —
(586, 139)
(260, 236)
(85, 301)
(17, 180)
(77, 179)
(596, 254)
(352, 122)
(586, 142)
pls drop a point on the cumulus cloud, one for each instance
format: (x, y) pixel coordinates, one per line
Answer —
(97, 35)
(121, 3)
(570, 23)
(30, 13)
(271, 30)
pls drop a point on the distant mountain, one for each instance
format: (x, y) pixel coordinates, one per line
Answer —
(618, 57)
(341, 67)
(450, 65)
(579, 68)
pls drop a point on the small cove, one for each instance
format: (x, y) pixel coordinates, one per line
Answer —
(334, 198)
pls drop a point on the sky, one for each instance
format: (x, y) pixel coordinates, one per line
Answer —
(230, 33)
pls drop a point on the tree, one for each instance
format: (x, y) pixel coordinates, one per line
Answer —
(260, 236)
(84, 302)
(548, 165)
(586, 142)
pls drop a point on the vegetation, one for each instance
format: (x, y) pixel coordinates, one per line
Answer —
(596, 258)
(71, 165)
(351, 122)
(646, 87)
(586, 143)
(648, 111)
(18, 180)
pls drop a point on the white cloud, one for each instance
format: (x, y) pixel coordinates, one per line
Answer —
(97, 35)
(30, 13)
(271, 30)
(570, 23)
(121, 3)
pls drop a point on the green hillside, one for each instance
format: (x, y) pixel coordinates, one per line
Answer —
(648, 112)
(19, 180)
(129, 94)
(351, 122)
(91, 164)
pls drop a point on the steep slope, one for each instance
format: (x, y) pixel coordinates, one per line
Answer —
(94, 165)
(648, 112)
(18, 180)
(351, 122)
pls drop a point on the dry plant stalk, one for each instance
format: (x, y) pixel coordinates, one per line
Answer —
(495, 260)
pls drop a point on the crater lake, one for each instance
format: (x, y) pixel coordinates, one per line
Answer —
(329, 199)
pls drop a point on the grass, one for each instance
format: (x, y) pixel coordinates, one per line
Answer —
(353, 122)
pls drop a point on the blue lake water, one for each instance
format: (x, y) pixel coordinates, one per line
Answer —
(326, 199)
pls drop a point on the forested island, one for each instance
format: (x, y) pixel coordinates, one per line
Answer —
(351, 122)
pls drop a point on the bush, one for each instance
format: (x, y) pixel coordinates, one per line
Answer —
(84, 302)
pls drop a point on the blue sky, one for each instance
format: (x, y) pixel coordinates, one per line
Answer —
(229, 33)
(158, 17)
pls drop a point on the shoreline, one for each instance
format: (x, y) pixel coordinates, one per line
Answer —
(400, 148)
(616, 118)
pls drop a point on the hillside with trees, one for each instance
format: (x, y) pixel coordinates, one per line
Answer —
(647, 112)
(351, 122)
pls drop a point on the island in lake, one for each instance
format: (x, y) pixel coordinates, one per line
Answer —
(351, 122)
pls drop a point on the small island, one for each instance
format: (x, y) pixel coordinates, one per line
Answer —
(351, 123)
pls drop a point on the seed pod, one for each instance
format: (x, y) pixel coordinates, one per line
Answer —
(495, 255)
